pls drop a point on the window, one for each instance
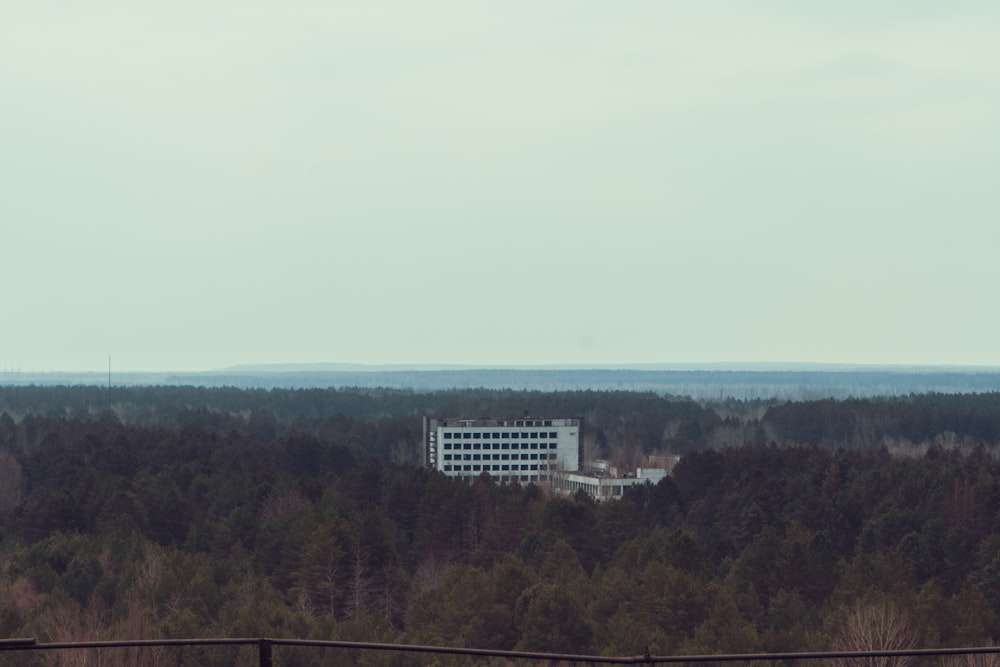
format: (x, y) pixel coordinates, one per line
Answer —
(447, 445)
(505, 435)
(477, 436)
(534, 445)
(447, 457)
(505, 457)
(447, 435)
(447, 468)
(553, 434)
(534, 436)
(524, 435)
(496, 457)
(466, 436)
(515, 435)
(467, 445)
(475, 457)
(504, 445)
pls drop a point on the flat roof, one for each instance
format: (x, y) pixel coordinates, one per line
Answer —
(525, 422)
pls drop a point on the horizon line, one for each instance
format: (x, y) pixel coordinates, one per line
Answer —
(352, 367)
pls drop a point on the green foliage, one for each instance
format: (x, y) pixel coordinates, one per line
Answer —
(550, 619)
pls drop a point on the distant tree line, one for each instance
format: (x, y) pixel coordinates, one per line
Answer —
(387, 422)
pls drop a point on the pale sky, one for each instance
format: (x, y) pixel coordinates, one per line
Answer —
(191, 185)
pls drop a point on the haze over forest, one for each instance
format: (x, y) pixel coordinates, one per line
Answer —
(740, 381)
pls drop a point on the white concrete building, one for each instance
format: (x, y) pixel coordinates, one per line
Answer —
(525, 449)
(604, 486)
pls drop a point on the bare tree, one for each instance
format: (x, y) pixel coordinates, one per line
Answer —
(628, 456)
(406, 452)
(359, 588)
(670, 432)
(280, 505)
(94, 622)
(974, 659)
(591, 448)
(137, 623)
(431, 573)
(874, 626)
(150, 572)
(735, 435)
(318, 577)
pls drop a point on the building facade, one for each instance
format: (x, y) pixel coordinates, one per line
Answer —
(523, 450)
(603, 486)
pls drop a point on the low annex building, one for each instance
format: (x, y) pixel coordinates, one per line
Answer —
(523, 450)
(602, 486)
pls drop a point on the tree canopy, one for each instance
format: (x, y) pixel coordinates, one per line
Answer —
(308, 519)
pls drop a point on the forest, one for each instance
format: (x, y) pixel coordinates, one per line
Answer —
(179, 512)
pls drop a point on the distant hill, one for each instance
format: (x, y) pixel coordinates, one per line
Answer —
(740, 381)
